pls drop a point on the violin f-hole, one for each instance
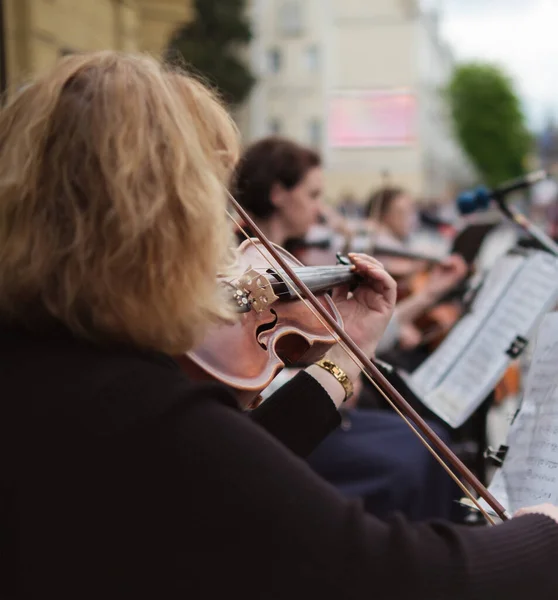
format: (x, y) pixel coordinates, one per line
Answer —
(266, 327)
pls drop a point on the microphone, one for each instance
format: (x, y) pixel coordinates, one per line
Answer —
(480, 198)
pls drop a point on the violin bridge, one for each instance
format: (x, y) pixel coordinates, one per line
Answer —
(257, 288)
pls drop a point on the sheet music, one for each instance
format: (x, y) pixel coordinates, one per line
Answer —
(529, 475)
(430, 373)
(498, 279)
(461, 373)
(433, 369)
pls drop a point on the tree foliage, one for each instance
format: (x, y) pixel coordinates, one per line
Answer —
(212, 45)
(489, 121)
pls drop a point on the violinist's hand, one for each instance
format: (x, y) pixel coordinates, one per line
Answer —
(367, 311)
(542, 509)
(445, 276)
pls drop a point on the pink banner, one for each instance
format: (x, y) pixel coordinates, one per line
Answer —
(372, 119)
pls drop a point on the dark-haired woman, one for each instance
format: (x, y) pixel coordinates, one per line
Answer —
(281, 184)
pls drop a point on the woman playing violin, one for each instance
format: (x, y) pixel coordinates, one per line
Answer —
(393, 213)
(373, 456)
(119, 476)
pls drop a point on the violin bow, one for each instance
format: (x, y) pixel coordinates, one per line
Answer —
(417, 424)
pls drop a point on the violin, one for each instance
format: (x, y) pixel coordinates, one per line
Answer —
(274, 329)
(410, 270)
(322, 252)
(439, 319)
(272, 333)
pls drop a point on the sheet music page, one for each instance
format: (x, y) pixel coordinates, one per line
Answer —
(433, 369)
(510, 308)
(498, 279)
(529, 475)
(431, 372)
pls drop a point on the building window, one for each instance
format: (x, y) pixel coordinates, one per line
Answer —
(274, 60)
(275, 126)
(311, 58)
(290, 18)
(315, 133)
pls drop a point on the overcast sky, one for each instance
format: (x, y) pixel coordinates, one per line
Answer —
(520, 35)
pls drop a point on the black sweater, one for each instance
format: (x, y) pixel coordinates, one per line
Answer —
(119, 478)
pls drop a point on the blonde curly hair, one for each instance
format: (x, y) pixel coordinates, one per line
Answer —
(113, 174)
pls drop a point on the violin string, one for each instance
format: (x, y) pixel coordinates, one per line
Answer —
(269, 284)
(409, 423)
(282, 282)
(306, 270)
(273, 284)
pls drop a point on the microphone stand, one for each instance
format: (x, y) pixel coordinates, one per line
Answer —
(480, 199)
(545, 241)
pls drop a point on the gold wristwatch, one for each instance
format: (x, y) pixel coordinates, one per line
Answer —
(339, 374)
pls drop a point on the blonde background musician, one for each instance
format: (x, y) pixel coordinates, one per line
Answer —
(119, 476)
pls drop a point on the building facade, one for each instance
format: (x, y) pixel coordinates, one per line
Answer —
(38, 32)
(361, 81)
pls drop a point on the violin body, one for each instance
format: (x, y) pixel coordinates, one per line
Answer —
(248, 354)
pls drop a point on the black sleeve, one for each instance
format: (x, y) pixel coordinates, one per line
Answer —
(193, 500)
(300, 414)
(244, 503)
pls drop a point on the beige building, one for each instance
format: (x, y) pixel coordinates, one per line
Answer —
(360, 80)
(37, 32)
